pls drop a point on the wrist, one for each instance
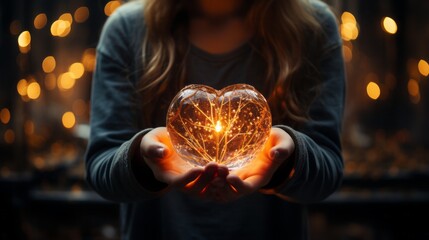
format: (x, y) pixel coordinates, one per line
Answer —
(146, 178)
(286, 169)
(144, 174)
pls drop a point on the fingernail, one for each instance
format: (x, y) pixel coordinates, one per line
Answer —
(274, 154)
(160, 152)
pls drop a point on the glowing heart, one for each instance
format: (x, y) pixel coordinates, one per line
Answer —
(228, 127)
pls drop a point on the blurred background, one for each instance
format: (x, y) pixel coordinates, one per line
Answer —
(47, 51)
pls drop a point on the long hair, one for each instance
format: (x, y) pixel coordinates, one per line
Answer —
(282, 29)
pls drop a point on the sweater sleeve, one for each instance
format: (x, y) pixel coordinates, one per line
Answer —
(318, 163)
(115, 132)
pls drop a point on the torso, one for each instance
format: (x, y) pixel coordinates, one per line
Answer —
(219, 39)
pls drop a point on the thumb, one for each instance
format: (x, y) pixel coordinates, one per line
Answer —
(278, 153)
(155, 152)
(151, 145)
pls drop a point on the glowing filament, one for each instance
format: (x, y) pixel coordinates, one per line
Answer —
(218, 127)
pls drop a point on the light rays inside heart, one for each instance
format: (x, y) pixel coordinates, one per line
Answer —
(226, 127)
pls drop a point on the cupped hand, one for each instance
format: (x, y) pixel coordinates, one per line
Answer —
(167, 166)
(260, 170)
(215, 182)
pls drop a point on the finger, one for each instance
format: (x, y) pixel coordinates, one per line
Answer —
(222, 171)
(228, 194)
(238, 185)
(156, 151)
(181, 181)
(255, 182)
(199, 185)
(219, 180)
(151, 146)
(277, 157)
(283, 144)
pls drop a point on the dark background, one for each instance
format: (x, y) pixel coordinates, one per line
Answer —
(385, 140)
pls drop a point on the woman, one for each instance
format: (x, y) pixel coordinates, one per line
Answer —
(287, 49)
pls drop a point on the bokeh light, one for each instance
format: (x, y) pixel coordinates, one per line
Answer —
(33, 90)
(413, 88)
(66, 81)
(349, 27)
(68, 120)
(60, 28)
(40, 21)
(24, 39)
(373, 90)
(5, 116)
(81, 14)
(22, 87)
(66, 17)
(423, 67)
(348, 17)
(88, 59)
(111, 6)
(414, 91)
(389, 25)
(48, 64)
(38, 162)
(9, 136)
(77, 70)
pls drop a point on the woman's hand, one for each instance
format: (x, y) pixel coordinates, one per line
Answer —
(157, 152)
(260, 170)
(215, 182)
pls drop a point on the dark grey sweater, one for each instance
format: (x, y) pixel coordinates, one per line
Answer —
(116, 131)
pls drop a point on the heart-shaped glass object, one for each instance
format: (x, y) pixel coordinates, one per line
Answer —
(228, 127)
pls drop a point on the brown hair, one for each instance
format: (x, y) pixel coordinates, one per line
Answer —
(282, 28)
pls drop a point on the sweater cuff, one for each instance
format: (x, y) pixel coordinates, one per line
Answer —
(288, 176)
(127, 174)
